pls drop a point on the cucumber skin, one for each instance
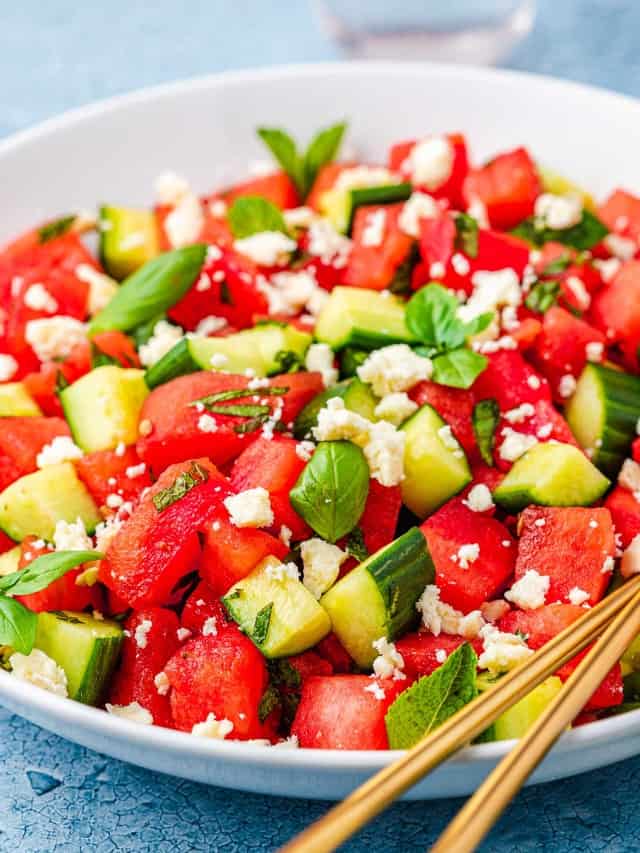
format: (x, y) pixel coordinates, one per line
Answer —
(384, 194)
(621, 400)
(308, 417)
(177, 362)
(101, 665)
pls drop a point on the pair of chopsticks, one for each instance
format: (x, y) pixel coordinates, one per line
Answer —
(618, 616)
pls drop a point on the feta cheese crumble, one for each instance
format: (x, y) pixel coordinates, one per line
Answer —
(530, 591)
(418, 206)
(165, 336)
(558, 211)
(251, 508)
(321, 565)
(389, 663)
(170, 188)
(71, 536)
(38, 298)
(319, 358)
(102, 288)
(446, 436)
(629, 476)
(479, 499)
(210, 627)
(213, 728)
(395, 407)
(266, 248)
(373, 231)
(39, 669)
(394, 368)
(280, 572)
(162, 683)
(430, 162)
(185, 222)
(8, 367)
(466, 554)
(502, 651)
(60, 449)
(207, 423)
(384, 452)
(515, 444)
(491, 290)
(577, 596)
(520, 414)
(438, 617)
(54, 337)
(134, 712)
(210, 325)
(567, 385)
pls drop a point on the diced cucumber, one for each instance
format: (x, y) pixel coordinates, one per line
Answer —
(435, 466)
(551, 474)
(517, 719)
(357, 396)
(350, 360)
(378, 597)
(103, 407)
(276, 611)
(10, 560)
(128, 239)
(87, 649)
(339, 205)
(603, 415)
(15, 401)
(355, 316)
(266, 349)
(33, 504)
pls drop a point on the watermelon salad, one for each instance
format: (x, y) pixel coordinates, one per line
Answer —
(314, 459)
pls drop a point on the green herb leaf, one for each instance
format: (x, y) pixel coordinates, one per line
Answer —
(467, 235)
(240, 410)
(61, 382)
(558, 266)
(401, 282)
(268, 703)
(151, 290)
(282, 673)
(142, 333)
(542, 296)
(100, 358)
(585, 235)
(262, 623)
(356, 545)
(322, 149)
(478, 324)
(284, 149)
(432, 699)
(45, 570)
(458, 368)
(432, 318)
(251, 425)
(17, 625)
(332, 490)
(252, 214)
(56, 228)
(288, 361)
(238, 394)
(485, 417)
(195, 476)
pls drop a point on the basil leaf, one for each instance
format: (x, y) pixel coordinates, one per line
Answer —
(284, 149)
(195, 476)
(585, 235)
(240, 410)
(432, 317)
(467, 235)
(17, 625)
(238, 393)
(262, 623)
(485, 417)
(432, 699)
(458, 368)
(322, 149)
(356, 545)
(542, 296)
(45, 570)
(332, 490)
(478, 324)
(151, 290)
(142, 333)
(252, 214)
(56, 228)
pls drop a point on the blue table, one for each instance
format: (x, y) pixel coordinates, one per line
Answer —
(55, 796)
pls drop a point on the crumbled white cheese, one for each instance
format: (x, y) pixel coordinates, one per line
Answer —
(290, 292)
(162, 683)
(491, 290)
(210, 325)
(207, 423)
(520, 414)
(558, 211)
(608, 565)
(321, 565)
(630, 562)
(304, 450)
(102, 288)
(39, 669)
(114, 501)
(285, 535)
(501, 651)
(439, 617)
(38, 298)
(320, 358)
(389, 663)
(515, 444)
(165, 336)
(378, 692)
(437, 270)
(418, 206)
(430, 162)
(213, 728)
(594, 351)
(328, 244)
(218, 360)
(629, 476)
(134, 712)
(578, 596)
(335, 422)
(529, 592)
(183, 634)
(133, 471)
(54, 337)
(210, 627)
(71, 536)
(621, 248)
(364, 176)
(448, 439)
(60, 449)
(374, 227)
(460, 264)
(479, 499)
(170, 188)
(106, 531)
(8, 367)
(478, 210)
(140, 634)
(609, 268)
(251, 508)
(298, 217)
(394, 368)
(266, 248)
(534, 382)
(384, 452)
(567, 385)
(185, 222)
(579, 291)
(441, 655)
(466, 554)
(395, 407)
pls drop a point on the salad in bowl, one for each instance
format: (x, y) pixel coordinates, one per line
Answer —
(313, 459)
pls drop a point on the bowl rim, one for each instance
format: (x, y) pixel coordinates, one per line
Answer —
(72, 713)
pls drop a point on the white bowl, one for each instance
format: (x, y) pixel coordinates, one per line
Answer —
(205, 129)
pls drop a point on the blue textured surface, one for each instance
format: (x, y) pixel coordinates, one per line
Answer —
(55, 796)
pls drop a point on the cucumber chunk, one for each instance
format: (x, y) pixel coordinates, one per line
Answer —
(87, 649)
(378, 597)
(603, 415)
(517, 719)
(128, 239)
(339, 205)
(435, 466)
(103, 407)
(10, 560)
(551, 474)
(279, 614)
(354, 316)
(33, 504)
(15, 401)
(357, 395)
(267, 349)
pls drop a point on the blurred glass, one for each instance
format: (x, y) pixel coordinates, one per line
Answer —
(476, 31)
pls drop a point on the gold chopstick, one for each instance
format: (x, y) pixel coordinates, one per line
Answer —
(479, 814)
(377, 793)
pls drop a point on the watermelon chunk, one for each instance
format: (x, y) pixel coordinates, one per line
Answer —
(105, 472)
(423, 653)
(511, 381)
(625, 512)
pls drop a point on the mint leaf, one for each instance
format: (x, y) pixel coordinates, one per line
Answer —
(467, 235)
(17, 625)
(558, 266)
(356, 545)
(458, 368)
(542, 296)
(45, 570)
(56, 228)
(195, 476)
(485, 417)
(268, 703)
(262, 623)
(322, 149)
(252, 214)
(432, 318)
(237, 394)
(283, 148)
(432, 699)
(585, 235)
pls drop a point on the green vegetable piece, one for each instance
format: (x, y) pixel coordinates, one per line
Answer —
(44, 570)
(268, 703)
(485, 417)
(285, 151)
(459, 368)
(17, 625)
(585, 235)
(261, 625)
(332, 490)
(195, 476)
(543, 296)
(252, 214)
(56, 228)
(151, 290)
(433, 699)
(467, 235)
(322, 149)
(432, 316)
(356, 545)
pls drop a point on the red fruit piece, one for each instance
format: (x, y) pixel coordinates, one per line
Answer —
(375, 266)
(379, 519)
(22, 439)
(625, 513)
(507, 186)
(276, 187)
(451, 187)
(108, 472)
(454, 405)
(511, 381)
(331, 649)
(621, 213)
(423, 653)
(200, 606)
